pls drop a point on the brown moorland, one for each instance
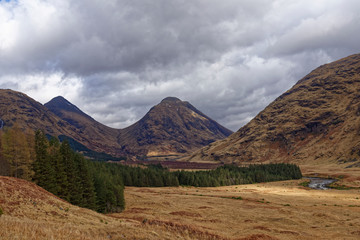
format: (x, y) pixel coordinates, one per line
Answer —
(277, 210)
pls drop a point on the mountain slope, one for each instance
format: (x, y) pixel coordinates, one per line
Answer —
(103, 138)
(16, 107)
(317, 121)
(30, 212)
(171, 127)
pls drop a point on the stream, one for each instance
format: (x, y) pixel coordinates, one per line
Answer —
(320, 183)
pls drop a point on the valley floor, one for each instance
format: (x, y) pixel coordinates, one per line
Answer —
(281, 210)
(277, 210)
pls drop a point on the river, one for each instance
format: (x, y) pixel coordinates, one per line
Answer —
(320, 183)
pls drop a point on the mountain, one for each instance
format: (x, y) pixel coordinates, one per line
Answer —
(171, 127)
(317, 121)
(100, 137)
(16, 107)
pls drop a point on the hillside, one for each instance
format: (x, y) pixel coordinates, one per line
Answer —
(317, 121)
(100, 137)
(171, 127)
(16, 107)
(30, 212)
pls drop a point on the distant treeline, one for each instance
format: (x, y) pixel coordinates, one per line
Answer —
(156, 176)
(99, 185)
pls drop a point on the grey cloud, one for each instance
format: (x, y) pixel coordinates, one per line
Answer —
(228, 58)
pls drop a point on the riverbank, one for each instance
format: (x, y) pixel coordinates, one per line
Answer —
(320, 183)
(349, 177)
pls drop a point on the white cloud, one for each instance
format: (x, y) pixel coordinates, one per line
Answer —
(44, 86)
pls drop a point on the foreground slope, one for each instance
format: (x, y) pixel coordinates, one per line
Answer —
(31, 213)
(315, 122)
(171, 127)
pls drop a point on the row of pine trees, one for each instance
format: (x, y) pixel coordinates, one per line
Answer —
(55, 167)
(100, 186)
(156, 176)
(61, 171)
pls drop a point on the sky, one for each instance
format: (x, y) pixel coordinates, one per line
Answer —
(115, 59)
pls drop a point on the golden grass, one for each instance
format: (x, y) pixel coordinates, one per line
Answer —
(278, 210)
(19, 228)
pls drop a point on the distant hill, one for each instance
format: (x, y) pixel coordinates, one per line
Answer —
(16, 107)
(99, 137)
(171, 127)
(317, 121)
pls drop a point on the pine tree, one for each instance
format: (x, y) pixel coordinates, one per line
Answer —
(61, 180)
(5, 166)
(17, 152)
(87, 194)
(43, 166)
(73, 189)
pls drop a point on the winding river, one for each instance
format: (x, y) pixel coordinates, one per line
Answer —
(320, 183)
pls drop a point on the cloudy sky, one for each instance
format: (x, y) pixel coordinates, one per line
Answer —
(115, 59)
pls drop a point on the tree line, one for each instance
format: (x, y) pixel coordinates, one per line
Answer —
(55, 167)
(97, 185)
(157, 176)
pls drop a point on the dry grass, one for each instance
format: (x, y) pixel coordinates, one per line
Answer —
(19, 228)
(278, 210)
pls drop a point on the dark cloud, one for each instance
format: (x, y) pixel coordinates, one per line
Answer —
(115, 59)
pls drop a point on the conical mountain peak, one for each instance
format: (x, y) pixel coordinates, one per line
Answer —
(59, 104)
(171, 127)
(171, 100)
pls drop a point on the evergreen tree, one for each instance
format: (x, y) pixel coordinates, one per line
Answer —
(88, 196)
(5, 166)
(73, 191)
(17, 152)
(43, 166)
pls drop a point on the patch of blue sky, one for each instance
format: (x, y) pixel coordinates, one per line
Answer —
(8, 0)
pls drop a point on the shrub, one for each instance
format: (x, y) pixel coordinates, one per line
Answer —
(1, 212)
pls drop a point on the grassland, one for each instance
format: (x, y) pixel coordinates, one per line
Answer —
(277, 210)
